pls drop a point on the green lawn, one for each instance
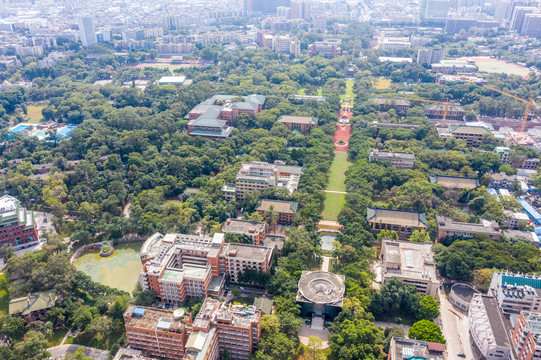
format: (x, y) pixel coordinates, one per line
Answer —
(382, 83)
(349, 92)
(4, 298)
(337, 182)
(35, 114)
(301, 91)
(332, 205)
(337, 173)
(320, 91)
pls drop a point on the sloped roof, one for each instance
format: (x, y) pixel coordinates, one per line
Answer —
(297, 119)
(279, 206)
(396, 217)
(33, 302)
(264, 304)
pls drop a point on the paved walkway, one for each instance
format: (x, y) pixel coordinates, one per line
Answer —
(58, 352)
(325, 264)
(335, 192)
(306, 332)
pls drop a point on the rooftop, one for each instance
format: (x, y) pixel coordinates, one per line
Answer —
(321, 287)
(278, 206)
(455, 182)
(410, 260)
(246, 252)
(464, 129)
(485, 227)
(297, 119)
(32, 302)
(415, 349)
(245, 227)
(155, 318)
(396, 217)
(380, 100)
(392, 154)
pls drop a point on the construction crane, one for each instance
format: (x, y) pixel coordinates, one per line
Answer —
(529, 104)
(446, 108)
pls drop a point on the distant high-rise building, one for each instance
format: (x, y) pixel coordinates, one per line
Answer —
(283, 11)
(430, 56)
(301, 9)
(435, 9)
(88, 33)
(519, 14)
(263, 6)
(532, 25)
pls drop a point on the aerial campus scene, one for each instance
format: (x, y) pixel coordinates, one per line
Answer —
(270, 180)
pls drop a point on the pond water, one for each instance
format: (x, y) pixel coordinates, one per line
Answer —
(326, 241)
(120, 270)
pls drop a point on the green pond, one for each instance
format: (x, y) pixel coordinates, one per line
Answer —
(120, 270)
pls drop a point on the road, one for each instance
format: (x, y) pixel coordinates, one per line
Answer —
(455, 329)
(58, 352)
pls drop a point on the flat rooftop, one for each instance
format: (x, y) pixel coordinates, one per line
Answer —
(486, 227)
(496, 323)
(409, 260)
(154, 319)
(321, 287)
(392, 154)
(246, 227)
(246, 252)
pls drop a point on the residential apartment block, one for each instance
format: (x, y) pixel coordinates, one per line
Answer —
(516, 292)
(430, 56)
(178, 266)
(255, 230)
(301, 124)
(285, 210)
(172, 335)
(447, 227)
(400, 221)
(526, 336)
(472, 135)
(399, 160)
(411, 262)
(257, 176)
(17, 225)
(487, 328)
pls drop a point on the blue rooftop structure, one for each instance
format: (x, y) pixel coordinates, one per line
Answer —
(138, 311)
(511, 280)
(530, 210)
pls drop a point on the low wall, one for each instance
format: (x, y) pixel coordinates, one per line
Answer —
(97, 246)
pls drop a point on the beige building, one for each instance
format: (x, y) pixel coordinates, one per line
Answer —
(455, 182)
(399, 160)
(472, 135)
(285, 210)
(411, 262)
(401, 221)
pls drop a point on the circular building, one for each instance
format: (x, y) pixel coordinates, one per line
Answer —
(461, 296)
(321, 293)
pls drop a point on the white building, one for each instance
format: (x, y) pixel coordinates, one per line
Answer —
(516, 292)
(87, 31)
(487, 328)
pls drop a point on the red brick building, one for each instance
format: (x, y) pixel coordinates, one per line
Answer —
(17, 224)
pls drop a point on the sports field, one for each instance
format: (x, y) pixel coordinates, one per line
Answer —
(34, 113)
(491, 65)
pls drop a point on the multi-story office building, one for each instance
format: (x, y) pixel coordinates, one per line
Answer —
(472, 135)
(401, 221)
(411, 262)
(302, 124)
(436, 111)
(257, 176)
(399, 160)
(387, 103)
(287, 45)
(487, 328)
(255, 230)
(393, 43)
(453, 67)
(178, 266)
(430, 56)
(284, 211)
(329, 48)
(532, 25)
(447, 227)
(436, 10)
(87, 31)
(526, 336)
(443, 79)
(17, 225)
(519, 16)
(301, 9)
(515, 292)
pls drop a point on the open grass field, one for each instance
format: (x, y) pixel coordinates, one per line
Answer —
(337, 182)
(382, 83)
(167, 66)
(35, 114)
(56, 337)
(4, 298)
(337, 176)
(332, 205)
(319, 91)
(349, 92)
(490, 65)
